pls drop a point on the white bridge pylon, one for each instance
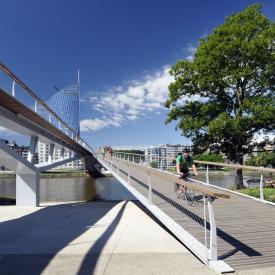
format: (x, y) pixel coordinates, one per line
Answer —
(27, 174)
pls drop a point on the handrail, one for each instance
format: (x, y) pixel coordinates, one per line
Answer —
(207, 190)
(32, 94)
(238, 166)
(256, 168)
(5, 69)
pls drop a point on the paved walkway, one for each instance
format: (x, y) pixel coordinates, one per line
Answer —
(90, 238)
(245, 227)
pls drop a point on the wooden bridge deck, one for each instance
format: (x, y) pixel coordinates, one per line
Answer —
(245, 227)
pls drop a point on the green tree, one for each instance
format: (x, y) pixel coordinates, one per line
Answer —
(265, 159)
(154, 164)
(210, 157)
(232, 78)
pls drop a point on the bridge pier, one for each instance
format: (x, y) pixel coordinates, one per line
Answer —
(27, 187)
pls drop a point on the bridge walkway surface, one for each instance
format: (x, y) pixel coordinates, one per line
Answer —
(245, 227)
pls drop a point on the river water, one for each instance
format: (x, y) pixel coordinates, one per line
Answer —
(106, 188)
(72, 189)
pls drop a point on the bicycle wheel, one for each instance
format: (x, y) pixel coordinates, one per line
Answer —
(176, 187)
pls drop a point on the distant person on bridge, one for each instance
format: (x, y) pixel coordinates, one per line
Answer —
(110, 151)
(103, 151)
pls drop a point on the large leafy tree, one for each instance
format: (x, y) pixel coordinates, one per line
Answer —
(232, 78)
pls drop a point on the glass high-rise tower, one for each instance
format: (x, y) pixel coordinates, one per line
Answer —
(65, 103)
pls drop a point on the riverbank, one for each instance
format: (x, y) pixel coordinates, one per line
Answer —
(7, 201)
(49, 174)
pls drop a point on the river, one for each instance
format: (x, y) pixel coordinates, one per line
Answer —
(104, 188)
(72, 189)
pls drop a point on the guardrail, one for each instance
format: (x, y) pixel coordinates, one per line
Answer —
(256, 180)
(43, 109)
(194, 208)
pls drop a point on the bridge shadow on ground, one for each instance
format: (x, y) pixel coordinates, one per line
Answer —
(29, 243)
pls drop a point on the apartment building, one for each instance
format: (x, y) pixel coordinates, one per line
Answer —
(163, 156)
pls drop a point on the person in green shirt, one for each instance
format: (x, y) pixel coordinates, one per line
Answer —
(183, 162)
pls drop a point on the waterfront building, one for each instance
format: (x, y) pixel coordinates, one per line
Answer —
(163, 156)
(21, 150)
(65, 103)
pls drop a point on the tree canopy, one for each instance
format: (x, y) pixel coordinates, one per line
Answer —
(225, 95)
(265, 159)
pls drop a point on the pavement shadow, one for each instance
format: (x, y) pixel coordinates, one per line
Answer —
(90, 261)
(29, 243)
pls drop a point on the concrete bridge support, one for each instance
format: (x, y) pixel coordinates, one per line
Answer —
(27, 187)
(28, 174)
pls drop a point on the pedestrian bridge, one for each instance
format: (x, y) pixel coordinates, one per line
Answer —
(39, 123)
(224, 229)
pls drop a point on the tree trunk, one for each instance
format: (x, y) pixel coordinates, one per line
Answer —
(239, 179)
(239, 174)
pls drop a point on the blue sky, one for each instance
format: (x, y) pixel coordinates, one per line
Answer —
(123, 50)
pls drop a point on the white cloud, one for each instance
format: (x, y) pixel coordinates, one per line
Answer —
(97, 123)
(129, 102)
(260, 136)
(191, 50)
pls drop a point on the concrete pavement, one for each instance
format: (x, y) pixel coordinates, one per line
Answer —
(90, 238)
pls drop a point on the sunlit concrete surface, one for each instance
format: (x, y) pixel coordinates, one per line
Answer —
(90, 238)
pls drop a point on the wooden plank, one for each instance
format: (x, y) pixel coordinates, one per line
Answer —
(202, 188)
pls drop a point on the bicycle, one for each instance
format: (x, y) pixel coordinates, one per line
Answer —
(182, 192)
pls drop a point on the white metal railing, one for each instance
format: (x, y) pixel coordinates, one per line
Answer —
(43, 109)
(195, 208)
(258, 177)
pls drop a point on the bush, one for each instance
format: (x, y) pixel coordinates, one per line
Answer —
(210, 157)
(265, 159)
(269, 193)
(153, 164)
(215, 157)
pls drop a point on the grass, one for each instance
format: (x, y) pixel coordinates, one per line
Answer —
(269, 193)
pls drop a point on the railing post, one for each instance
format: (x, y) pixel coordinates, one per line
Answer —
(13, 89)
(261, 186)
(207, 174)
(140, 159)
(35, 106)
(129, 176)
(213, 231)
(117, 167)
(150, 187)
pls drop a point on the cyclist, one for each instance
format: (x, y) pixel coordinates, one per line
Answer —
(183, 162)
